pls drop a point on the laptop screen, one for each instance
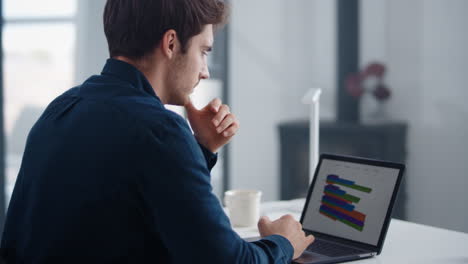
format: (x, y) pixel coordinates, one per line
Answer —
(350, 200)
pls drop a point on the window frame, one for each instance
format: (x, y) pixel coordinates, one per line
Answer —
(2, 130)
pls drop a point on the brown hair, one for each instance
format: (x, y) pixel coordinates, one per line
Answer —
(134, 28)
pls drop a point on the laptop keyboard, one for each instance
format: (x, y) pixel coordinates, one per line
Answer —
(331, 249)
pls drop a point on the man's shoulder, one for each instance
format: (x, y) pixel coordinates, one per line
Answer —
(140, 112)
(156, 126)
(151, 114)
(121, 98)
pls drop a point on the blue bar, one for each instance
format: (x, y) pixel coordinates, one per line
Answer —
(338, 203)
(343, 181)
(339, 192)
(331, 186)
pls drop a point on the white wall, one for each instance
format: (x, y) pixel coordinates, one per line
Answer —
(278, 50)
(424, 44)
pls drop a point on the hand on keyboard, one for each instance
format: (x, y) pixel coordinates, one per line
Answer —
(289, 228)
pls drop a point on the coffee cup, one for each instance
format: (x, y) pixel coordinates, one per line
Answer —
(243, 207)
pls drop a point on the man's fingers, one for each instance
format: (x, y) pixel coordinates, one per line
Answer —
(298, 224)
(231, 130)
(222, 112)
(263, 226)
(227, 122)
(287, 216)
(310, 239)
(214, 105)
(264, 220)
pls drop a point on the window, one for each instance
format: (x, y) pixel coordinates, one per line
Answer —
(38, 47)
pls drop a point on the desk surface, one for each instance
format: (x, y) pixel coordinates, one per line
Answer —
(406, 242)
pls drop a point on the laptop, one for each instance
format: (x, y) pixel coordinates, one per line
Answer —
(348, 208)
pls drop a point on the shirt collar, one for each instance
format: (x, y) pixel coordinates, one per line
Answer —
(129, 73)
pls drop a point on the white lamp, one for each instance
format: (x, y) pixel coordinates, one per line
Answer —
(312, 97)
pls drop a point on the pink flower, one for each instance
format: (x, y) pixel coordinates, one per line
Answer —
(354, 83)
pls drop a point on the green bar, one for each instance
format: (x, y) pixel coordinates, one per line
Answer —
(325, 213)
(342, 196)
(329, 204)
(356, 187)
(361, 188)
(352, 198)
(347, 197)
(344, 221)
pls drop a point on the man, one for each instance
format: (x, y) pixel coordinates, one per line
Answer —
(110, 176)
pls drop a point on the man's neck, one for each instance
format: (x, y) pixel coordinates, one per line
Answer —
(151, 72)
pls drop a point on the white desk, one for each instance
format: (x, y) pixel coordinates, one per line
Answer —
(406, 242)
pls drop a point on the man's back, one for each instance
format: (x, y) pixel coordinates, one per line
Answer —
(110, 176)
(77, 187)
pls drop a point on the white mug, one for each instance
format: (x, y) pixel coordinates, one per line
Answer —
(243, 207)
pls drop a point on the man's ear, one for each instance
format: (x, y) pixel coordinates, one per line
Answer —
(169, 43)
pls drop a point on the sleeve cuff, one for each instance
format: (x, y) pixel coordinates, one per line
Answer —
(284, 245)
(210, 157)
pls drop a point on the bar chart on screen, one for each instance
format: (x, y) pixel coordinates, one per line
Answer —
(338, 205)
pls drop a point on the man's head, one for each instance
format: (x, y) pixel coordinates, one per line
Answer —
(174, 34)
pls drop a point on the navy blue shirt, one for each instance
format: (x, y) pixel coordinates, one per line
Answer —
(110, 176)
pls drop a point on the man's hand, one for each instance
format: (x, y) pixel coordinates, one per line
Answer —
(214, 125)
(289, 228)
